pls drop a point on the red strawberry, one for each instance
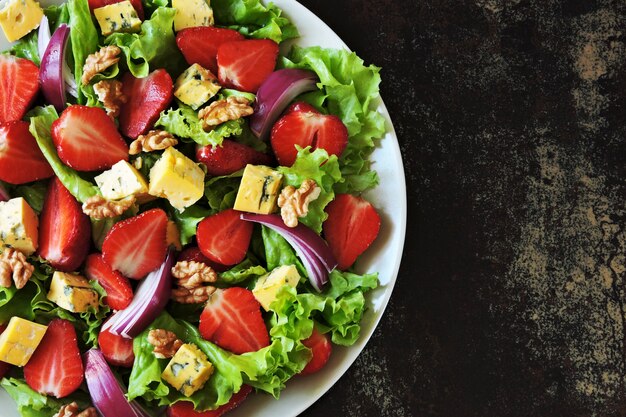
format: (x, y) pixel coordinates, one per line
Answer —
(185, 408)
(96, 4)
(56, 367)
(199, 44)
(351, 227)
(321, 349)
(230, 157)
(64, 230)
(137, 246)
(87, 139)
(232, 320)
(193, 253)
(303, 125)
(224, 238)
(147, 98)
(117, 350)
(21, 160)
(4, 367)
(117, 286)
(244, 65)
(19, 84)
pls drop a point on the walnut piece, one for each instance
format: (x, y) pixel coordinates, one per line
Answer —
(14, 266)
(295, 203)
(72, 410)
(191, 277)
(100, 208)
(165, 343)
(99, 61)
(221, 111)
(110, 94)
(154, 140)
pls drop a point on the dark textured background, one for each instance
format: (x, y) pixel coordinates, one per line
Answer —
(510, 300)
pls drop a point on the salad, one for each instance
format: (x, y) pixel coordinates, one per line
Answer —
(195, 197)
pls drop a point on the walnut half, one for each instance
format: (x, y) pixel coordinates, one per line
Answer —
(295, 203)
(100, 208)
(165, 343)
(99, 61)
(191, 277)
(72, 410)
(110, 94)
(14, 267)
(154, 140)
(221, 111)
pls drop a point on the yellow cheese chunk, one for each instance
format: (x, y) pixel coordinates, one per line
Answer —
(268, 285)
(259, 190)
(19, 341)
(72, 292)
(117, 17)
(19, 17)
(188, 370)
(196, 86)
(172, 236)
(18, 226)
(192, 13)
(121, 181)
(177, 178)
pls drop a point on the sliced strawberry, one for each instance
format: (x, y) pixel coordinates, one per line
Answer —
(230, 157)
(56, 367)
(4, 367)
(147, 98)
(185, 408)
(303, 125)
(19, 85)
(64, 230)
(199, 44)
(21, 160)
(224, 238)
(321, 349)
(193, 253)
(117, 286)
(244, 65)
(351, 227)
(232, 320)
(137, 5)
(137, 246)
(87, 139)
(117, 350)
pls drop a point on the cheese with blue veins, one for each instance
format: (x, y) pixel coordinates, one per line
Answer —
(121, 181)
(192, 13)
(18, 226)
(259, 190)
(19, 340)
(118, 17)
(188, 370)
(196, 86)
(72, 292)
(267, 286)
(177, 178)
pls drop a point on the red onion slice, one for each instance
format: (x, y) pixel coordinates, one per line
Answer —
(51, 75)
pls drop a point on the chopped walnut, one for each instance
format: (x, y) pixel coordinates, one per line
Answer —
(191, 277)
(154, 140)
(295, 203)
(72, 410)
(14, 266)
(110, 94)
(100, 208)
(221, 111)
(165, 343)
(99, 61)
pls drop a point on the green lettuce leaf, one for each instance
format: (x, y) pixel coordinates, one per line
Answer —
(349, 90)
(30, 403)
(83, 42)
(26, 48)
(253, 19)
(184, 123)
(278, 251)
(154, 47)
(40, 123)
(321, 168)
(221, 192)
(187, 221)
(33, 193)
(246, 270)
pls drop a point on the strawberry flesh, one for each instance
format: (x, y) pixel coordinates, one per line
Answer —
(193, 253)
(118, 288)
(117, 350)
(199, 44)
(230, 157)
(19, 85)
(224, 238)
(321, 348)
(185, 408)
(244, 65)
(21, 160)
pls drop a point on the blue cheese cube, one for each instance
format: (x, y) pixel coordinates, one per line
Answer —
(268, 285)
(18, 226)
(196, 86)
(72, 292)
(259, 189)
(117, 17)
(121, 181)
(19, 17)
(192, 13)
(188, 370)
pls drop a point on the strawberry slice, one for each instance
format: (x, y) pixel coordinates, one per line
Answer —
(117, 350)
(321, 348)
(244, 65)
(64, 230)
(137, 5)
(4, 367)
(117, 286)
(185, 408)
(224, 238)
(351, 227)
(137, 246)
(232, 320)
(230, 157)
(303, 125)
(21, 160)
(147, 98)
(199, 44)
(19, 85)
(56, 367)
(193, 253)
(87, 139)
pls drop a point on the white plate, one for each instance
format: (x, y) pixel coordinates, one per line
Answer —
(383, 256)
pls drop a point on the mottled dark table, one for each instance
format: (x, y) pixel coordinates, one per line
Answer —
(511, 296)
